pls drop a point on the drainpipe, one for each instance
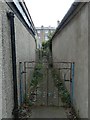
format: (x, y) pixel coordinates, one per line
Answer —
(11, 18)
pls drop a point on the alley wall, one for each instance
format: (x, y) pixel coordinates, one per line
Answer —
(0, 68)
(25, 51)
(71, 45)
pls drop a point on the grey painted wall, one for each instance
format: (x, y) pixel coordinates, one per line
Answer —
(0, 68)
(71, 44)
(89, 60)
(25, 48)
(25, 51)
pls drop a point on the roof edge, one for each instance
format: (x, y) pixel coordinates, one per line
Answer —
(65, 20)
(20, 17)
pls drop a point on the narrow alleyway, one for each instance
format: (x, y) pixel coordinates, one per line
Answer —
(46, 97)
(44, 65)
(49, 103)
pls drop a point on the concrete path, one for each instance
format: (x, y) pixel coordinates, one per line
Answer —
(47, 86)
(48, 112)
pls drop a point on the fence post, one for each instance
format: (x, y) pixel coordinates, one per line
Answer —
(25, 80)
(21, 83)
(47, 85)
(72, 81)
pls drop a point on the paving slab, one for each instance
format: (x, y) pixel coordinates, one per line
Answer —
(48, 112)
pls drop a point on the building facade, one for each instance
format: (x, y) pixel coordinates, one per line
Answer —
(17, 45)
(43, 33)
(70, 44)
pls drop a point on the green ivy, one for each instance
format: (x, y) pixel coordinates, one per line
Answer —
(37, 75)
(65, 96)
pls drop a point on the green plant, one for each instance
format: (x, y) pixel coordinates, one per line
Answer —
(37, 75)
(27, 101)
(65, 96)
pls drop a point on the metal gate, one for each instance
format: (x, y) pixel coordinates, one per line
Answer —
(46, 93)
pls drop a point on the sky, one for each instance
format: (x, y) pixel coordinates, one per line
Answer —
(47, 12)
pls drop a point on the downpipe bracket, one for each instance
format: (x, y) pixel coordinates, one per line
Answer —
(10, 14)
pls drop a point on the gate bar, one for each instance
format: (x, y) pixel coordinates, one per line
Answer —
(25, 78)
(47, 86)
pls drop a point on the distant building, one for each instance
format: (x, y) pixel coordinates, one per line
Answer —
(42, 34)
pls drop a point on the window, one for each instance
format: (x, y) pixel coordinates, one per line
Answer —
(46, 38)
(39, 37)
(38, 31)
(46, 31)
